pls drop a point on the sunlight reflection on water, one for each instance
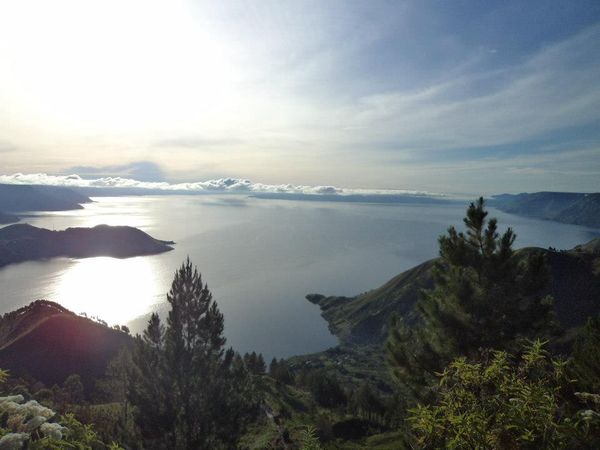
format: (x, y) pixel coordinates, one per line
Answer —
(89, 286)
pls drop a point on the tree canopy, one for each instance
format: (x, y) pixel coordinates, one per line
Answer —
(485, 295)
(186, 390)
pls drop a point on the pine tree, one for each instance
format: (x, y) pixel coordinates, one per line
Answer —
(273, 367)
(326, 389)
(150, 388)
(114, 390)
(187, 390)
(485, 295)
(280, 371)
(261, 366)
(255, 363)
(366, 403)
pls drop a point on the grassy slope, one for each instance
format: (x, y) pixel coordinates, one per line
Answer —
(51, 343)
(363, 319)
(574, 284)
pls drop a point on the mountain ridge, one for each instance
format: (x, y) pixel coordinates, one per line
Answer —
(566, 207)
(574, 283)
(49, 342)
(19, 198)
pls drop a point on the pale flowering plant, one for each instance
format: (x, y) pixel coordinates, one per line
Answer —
(32, 426)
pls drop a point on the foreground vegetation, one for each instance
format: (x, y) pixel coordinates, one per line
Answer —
(480, 364)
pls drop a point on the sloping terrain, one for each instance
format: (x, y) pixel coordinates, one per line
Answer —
(574, 284)
(22, 242)
(7, 218)
(363, 319)
(586, 211)
(50, 343)
(566, 207)
(16, 198)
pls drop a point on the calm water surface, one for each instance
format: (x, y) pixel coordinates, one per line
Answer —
(260, 258)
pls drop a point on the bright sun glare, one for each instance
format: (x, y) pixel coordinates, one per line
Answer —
(116, 66)
(84, 288)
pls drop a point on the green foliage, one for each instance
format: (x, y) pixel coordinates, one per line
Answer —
(280, 371)
(326, 389)
(484, 296)
(309, 439)
(76, 436)
(255, 363)
(35, 427)
(586, 356)
(186, 389)
(506, 403)
(366, 403)
(73, 388)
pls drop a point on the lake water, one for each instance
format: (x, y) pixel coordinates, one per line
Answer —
(259, 257)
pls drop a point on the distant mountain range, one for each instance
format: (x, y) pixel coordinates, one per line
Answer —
(18, 198)
(22, 242)
(574, 284)
(50, 343)
(566, 207)
(8, 218)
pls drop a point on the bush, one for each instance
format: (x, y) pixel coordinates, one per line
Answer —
(527, 403)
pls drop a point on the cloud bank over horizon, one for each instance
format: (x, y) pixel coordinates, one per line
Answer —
(221, 185)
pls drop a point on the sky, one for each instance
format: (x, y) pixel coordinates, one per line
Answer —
(438, 96)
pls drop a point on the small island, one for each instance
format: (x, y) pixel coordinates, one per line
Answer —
(23, 242)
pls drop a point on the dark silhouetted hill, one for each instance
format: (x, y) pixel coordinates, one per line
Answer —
(566, 207)
(574, 284)
(22, 242)
(50, 343)
(17, 198)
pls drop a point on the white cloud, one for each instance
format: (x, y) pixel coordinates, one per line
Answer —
(222, 185)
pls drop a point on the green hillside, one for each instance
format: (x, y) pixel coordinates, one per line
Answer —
(574, 283)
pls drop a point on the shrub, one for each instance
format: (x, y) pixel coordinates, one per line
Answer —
(523, 403)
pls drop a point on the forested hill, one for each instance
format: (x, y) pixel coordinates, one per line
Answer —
(22, 242)
(574, 284)
(566, 207)
(50, 343)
